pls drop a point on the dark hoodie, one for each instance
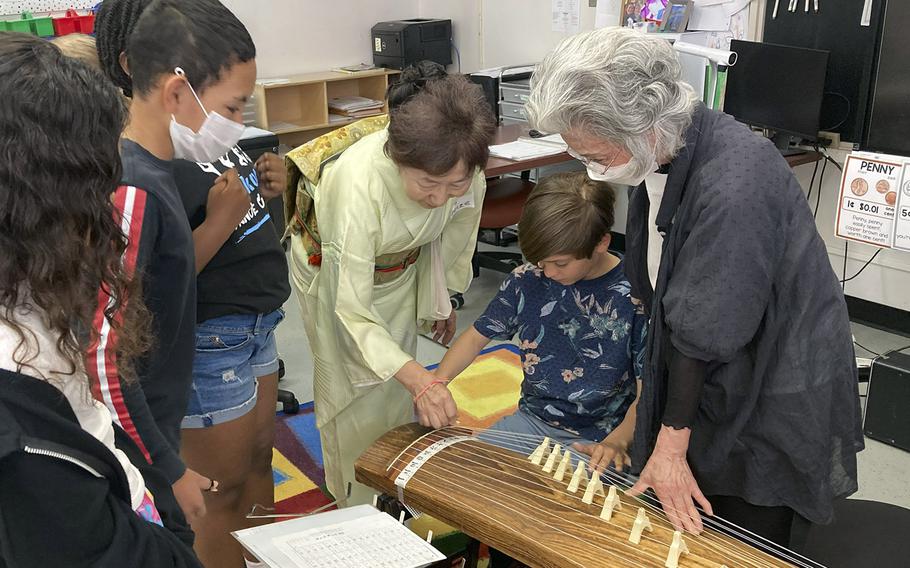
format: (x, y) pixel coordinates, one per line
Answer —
(65, 499)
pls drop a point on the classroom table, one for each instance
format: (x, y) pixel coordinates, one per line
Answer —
(510, 132)
(500, 166)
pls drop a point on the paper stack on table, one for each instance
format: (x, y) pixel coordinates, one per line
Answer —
(346, 538)
(527, 148)
(355, 107)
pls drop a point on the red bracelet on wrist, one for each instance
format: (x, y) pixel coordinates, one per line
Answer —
(429, 386)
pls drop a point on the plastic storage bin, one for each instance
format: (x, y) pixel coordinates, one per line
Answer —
(21, 25)
(73, 23)
(42, 26)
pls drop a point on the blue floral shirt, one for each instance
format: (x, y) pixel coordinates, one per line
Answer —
(582, 346)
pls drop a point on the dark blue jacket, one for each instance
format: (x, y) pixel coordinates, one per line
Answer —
(65, 499)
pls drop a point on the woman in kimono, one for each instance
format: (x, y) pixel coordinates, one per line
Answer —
(397, 213)
(749, 405)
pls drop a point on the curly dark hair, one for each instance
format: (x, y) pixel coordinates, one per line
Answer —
(60, 236)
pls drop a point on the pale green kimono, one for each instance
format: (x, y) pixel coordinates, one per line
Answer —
(361, 333)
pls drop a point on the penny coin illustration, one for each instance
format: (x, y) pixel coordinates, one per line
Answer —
(891, 198)
(859, 187)
(882, 186)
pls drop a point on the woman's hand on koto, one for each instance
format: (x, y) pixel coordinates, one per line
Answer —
(433, 403)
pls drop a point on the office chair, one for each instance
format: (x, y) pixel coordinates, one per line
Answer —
(502, 208)
(289, 402)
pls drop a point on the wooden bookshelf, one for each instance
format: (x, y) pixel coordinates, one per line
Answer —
(297, 108)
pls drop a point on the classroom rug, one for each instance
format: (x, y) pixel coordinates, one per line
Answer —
(485, 392)
(297, 463)
(488, 389)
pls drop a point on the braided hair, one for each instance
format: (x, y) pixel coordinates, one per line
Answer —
(203, 37)
(114, 23)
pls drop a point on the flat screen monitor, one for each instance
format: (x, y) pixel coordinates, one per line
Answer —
(777, 87)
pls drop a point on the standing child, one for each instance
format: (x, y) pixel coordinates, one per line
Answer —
(229, 427)
(72, 485)
(580, 332)
(242, 282)
(176, 50)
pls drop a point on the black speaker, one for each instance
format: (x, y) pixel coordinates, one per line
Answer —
(490, 86)
(888, 401)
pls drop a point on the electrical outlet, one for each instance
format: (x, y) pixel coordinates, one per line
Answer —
(832, 137)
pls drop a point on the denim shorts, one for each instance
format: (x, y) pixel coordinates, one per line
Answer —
(232, 352)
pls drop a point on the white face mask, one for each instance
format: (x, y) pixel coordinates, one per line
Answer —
(631, 173)
(216, 136)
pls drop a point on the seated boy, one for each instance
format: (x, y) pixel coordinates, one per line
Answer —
(581, 334)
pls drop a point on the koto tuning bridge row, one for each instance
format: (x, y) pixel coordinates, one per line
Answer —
(558, 463)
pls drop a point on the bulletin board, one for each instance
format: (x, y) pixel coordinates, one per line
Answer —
(16, 7)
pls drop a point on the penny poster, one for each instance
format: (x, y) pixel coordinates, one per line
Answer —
(902, 221)
(868, 197)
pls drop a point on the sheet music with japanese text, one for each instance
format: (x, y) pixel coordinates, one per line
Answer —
(375, 540)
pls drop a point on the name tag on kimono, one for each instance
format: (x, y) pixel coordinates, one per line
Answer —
(464, 202)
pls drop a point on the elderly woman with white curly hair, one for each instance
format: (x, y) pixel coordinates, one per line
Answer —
(749, 403)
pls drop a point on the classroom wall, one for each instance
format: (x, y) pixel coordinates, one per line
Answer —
(886, 280)
(519, 31)
(294, 36)
(466, 28)
(491, 33)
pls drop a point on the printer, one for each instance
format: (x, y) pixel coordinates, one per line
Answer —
(400, 43)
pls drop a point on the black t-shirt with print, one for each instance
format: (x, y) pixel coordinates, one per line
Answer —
(249, 273)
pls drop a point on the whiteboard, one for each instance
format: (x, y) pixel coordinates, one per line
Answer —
(16, 7)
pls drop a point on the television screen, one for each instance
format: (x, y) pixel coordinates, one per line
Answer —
(777, 87)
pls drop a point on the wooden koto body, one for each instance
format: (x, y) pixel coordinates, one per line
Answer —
(500, 498)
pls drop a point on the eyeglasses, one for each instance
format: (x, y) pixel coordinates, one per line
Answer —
(595, 167)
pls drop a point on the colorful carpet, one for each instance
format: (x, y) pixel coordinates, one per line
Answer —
(489, 389)
(485, 392)
(297, 463)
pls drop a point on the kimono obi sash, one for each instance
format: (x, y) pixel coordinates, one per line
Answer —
(305, 165)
